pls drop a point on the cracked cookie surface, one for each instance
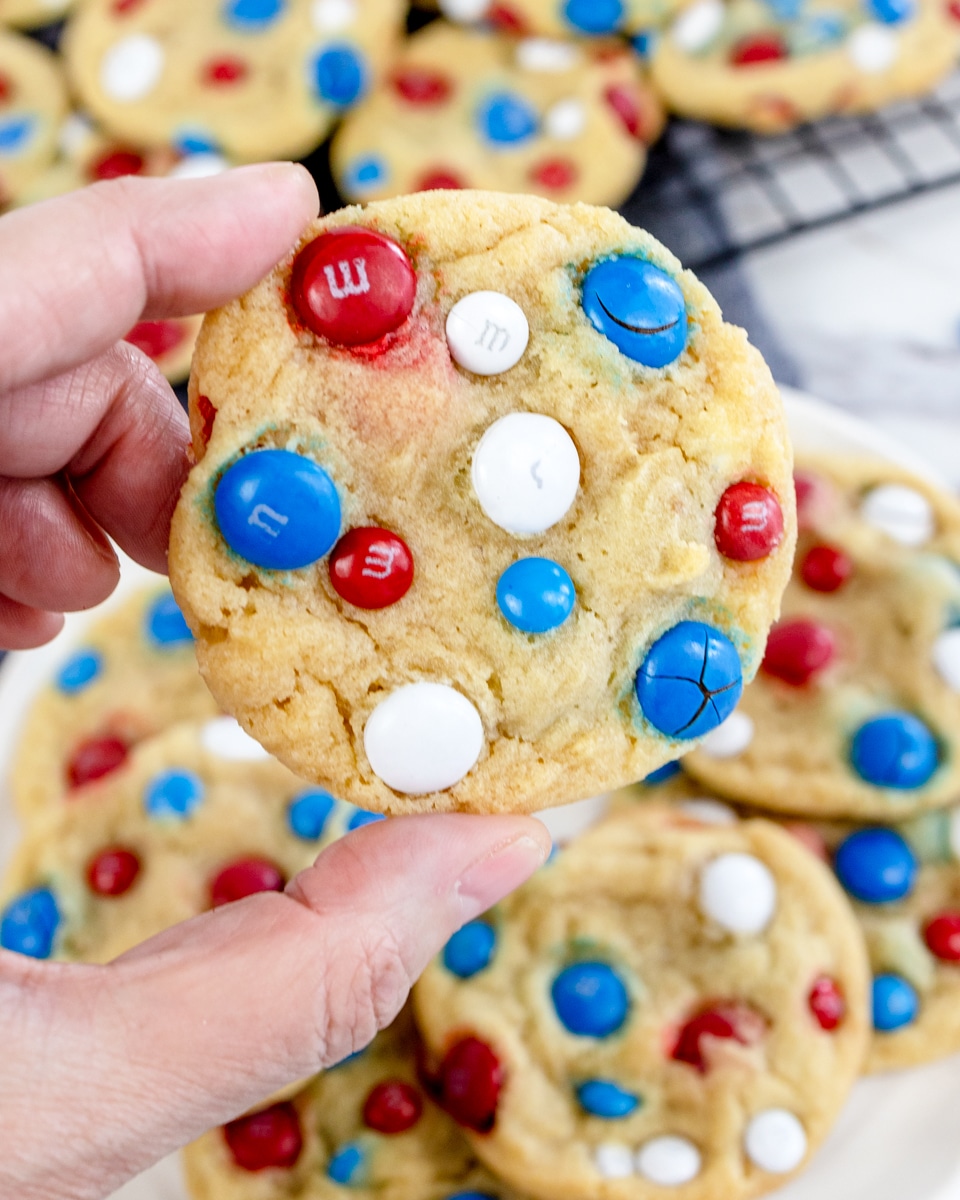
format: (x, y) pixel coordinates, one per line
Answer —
(491, 509)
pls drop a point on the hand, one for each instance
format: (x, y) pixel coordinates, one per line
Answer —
(106, 1069)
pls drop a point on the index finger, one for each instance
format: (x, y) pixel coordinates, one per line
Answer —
(77, 272)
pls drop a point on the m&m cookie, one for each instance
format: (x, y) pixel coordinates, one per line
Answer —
(461, 108)
(198, 817)
(29, 14)
(133, 674)
(856, 709)
(491, 510)
(647, 1013)
(251, 79)
(33, 102)
(638, 19)
(364, 1129)
(769, 65)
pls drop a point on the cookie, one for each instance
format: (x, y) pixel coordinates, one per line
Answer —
(363, 1129)
(770, 66)
(666, 1004)
(462, 108)
(566, 18)
(452, 541)
(198, 816)
(33, 103)
(856, 709)
(251, 79)
(134, 673)
(29, 14)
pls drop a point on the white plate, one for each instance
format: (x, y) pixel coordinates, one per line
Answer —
(898, 1137)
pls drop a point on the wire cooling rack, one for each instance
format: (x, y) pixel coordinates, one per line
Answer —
(712, 194)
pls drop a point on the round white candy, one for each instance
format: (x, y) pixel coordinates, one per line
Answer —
(424, 737)
(74, 133)
(775, 1141)
(874, 48)
(900, 512)
(199, 166)
(739, 892)
(543, 54)
(668, 1161)
(526, 472)
(698, 25)
(332, 16)
(946, 657)
(487, 333)
(225, 738)
(464, 10)
(613, 1160)
(131, 68)
(708, 812)
(730, 738)
(565, 120)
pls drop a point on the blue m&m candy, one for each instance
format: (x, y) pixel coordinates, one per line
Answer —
(536, 595)
(895, 750)
(638, 307)
(891, 12)
(165, 624)
(173, 794)
(506, 119)
(590, 999)
(252, 14)
(278, 509)
(308, 813)
(603, 1098)
(15, 134)
(786, 10)
(594, 16)
(339, 75)
(895, 1003)
(365, 173)
(662, 774)
(348, 1165)
(690, 681)
(471, 1196)
(470, 949)
(876, 866)
(362, 817)
(79, 671)
(29, 923)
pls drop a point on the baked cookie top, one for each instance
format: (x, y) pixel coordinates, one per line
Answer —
(133, 674)
(666, 1004)
(768, 65)
(253, 79)
(199, 816)
(856, 709)
(463, 108)
(564, 18)
(33, 103)
(28, 14)
(363, 1129)
(491, 510)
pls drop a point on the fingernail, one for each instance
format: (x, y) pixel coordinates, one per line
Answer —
(496, 874)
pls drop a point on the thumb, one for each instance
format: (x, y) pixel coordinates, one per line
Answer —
(212, 1016)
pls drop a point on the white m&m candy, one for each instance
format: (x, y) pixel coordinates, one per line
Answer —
(730, 738)
(613, 1160)
(526, 472)
(668, 1161)
(946, 657)
(900, 512)
(544, 54)
(225, 738)
(697, 25)
(739, 892)
(424, 737)
(873, 48)
(487, 333)
(464, 10)
(565, 120)
(775, 1141)
(131, 68)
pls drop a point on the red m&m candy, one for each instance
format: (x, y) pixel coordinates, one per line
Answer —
(626, 104)
(371, 567)
(760, 48)
(417, 85)
(353, 286)
(269, 1138)
(156, 338)
(827, 1003)
(797, 650)
(113, 872)
(748, 522)
(224, 71)
(825, 569)
(6, 89)
(245, 877)
(942, 935)
(725, 1020)
(93, 759)
(469, 1080)
(392, 1107)
(555, 173)
(439, 181)
(207, 415)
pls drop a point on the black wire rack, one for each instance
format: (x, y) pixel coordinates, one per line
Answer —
(713, 195)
